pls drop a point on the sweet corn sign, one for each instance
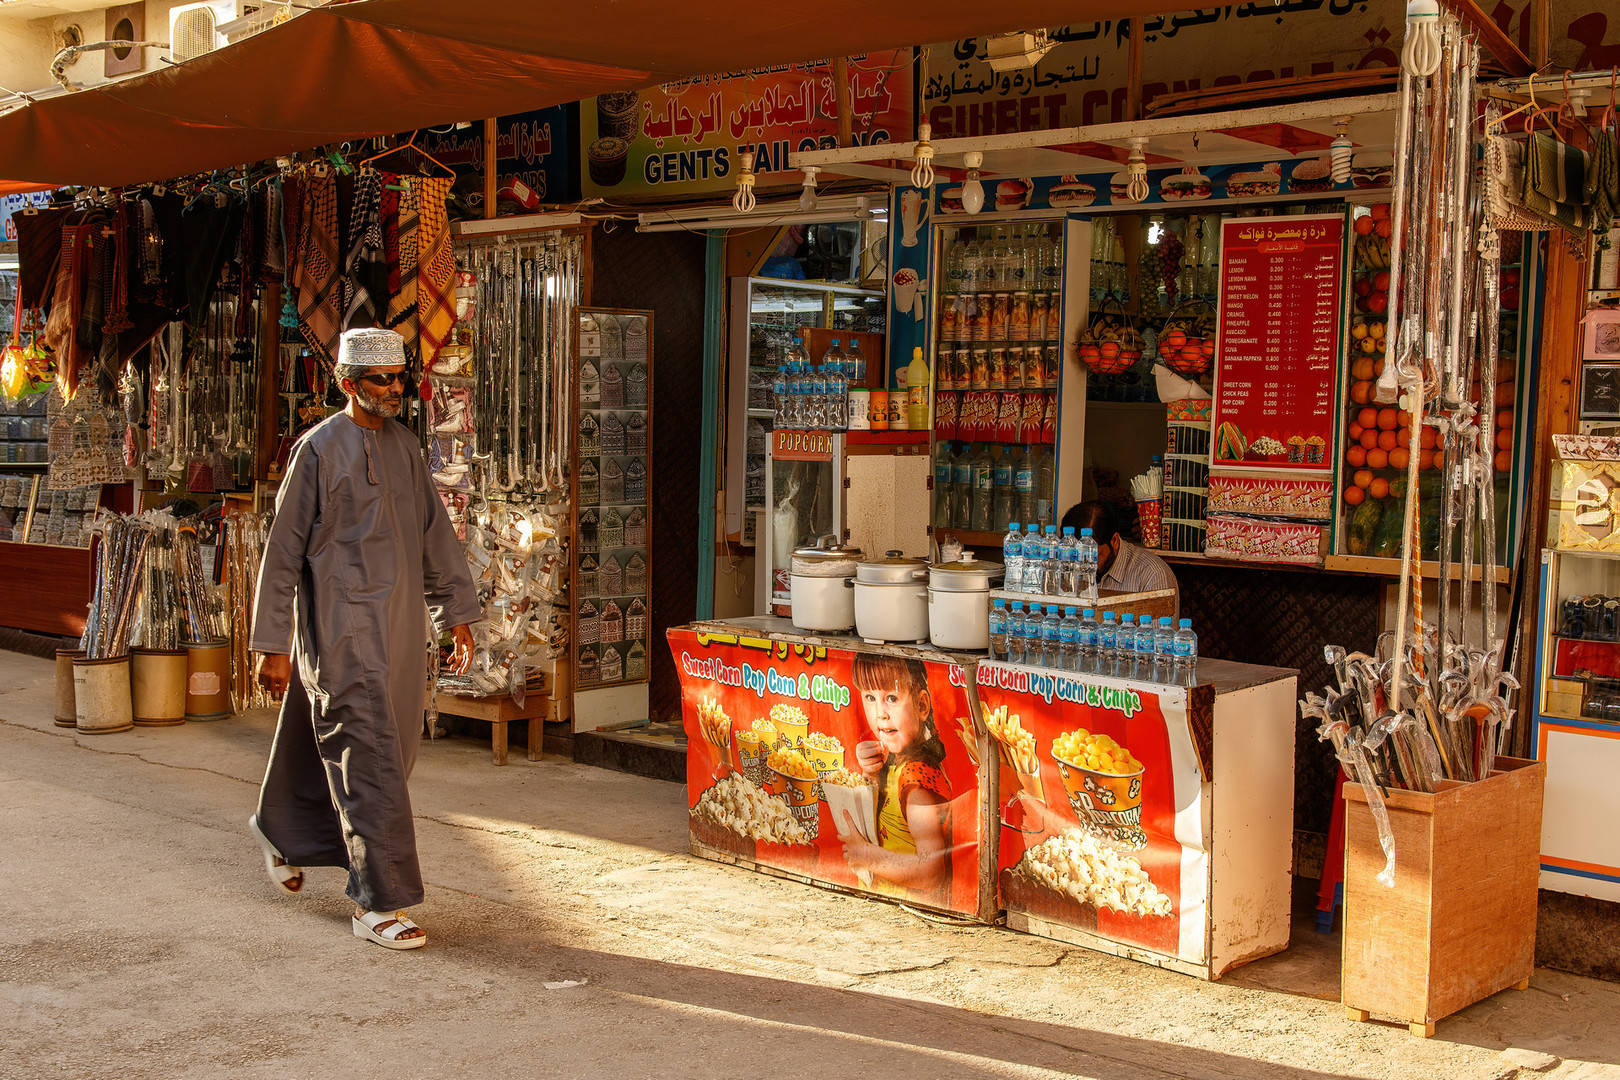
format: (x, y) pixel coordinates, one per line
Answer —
(1102, 810)
(853, 769)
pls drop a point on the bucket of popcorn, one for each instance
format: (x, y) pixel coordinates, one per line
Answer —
(795, 780)
(1104, 784)
(752, 749)
(825, 754)
(791, 724)
(1148, 514)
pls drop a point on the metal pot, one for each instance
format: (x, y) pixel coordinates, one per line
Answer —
(967, 574)
(891, 611)
(819, 585)
(894, 568)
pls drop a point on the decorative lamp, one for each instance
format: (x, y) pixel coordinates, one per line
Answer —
(1420, 55)
(922, 171)
(744, 200)
(972, 190)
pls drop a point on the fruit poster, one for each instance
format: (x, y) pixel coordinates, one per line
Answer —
(847, 767)
(1280, 325)
(1102, 817)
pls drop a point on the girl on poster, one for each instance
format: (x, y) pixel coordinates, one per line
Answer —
(904, 760)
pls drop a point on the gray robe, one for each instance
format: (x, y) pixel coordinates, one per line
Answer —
(360, 540)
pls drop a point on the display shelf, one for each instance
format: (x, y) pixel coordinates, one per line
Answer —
(971, 538)
(886, 438)
(1363, 564)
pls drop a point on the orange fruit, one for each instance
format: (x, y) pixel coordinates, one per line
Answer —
(1504, 439)
(1386, 440)
(1403, 418)
(1355, 431)
(1362, 478)
(1399, 458)
(1426, 458)
(1377, 459)
(1362, 368)
(1378, 367)
(1367, 418)
(1379, 488)
(1503, 462)
(1427, 438)
(1356, 456)
(1364, 226)
(1360, 393)
(1386, 419)
(1354, 495)
(1369, 438)
(1504, 418)
(1380, 211)
(1403, 436)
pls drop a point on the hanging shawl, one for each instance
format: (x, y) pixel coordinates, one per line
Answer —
(117, 283)
(435, 296)
(67, 303)
(208, 232)
(402, 305)
(365, 271)
(390, 229)
(1555, 181)
(274, 263)
(1603, 184)
(292, 208)
(317, 273)
(39, 250)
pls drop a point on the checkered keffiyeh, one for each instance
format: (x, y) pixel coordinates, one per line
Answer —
(1555, 182)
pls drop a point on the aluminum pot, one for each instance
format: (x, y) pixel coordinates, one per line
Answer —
(891, 611)
(893, 569)
(818, 587)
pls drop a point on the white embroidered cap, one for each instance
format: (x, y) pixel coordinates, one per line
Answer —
(371, 347)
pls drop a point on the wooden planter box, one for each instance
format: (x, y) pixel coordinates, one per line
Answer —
(1460, 923)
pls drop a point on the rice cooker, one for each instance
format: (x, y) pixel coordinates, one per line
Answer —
(818, 586)
(959, 602)
(891, 598)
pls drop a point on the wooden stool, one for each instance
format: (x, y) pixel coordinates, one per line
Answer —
(498, 712)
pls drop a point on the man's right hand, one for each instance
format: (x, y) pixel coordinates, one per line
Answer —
(275, 672)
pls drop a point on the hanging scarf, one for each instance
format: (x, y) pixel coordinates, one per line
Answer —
(402, 305)
(435, 295)
(117, 283)
(292, 208)
(317, 272)
(364, 268)
(274, 264)
(390, 229)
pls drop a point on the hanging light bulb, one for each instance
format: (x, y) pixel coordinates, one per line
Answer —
(1420, 55)
(922, 171)
(1341, 150)
(1136, 166)
(807, 197)
(744, 200)
(972, 190)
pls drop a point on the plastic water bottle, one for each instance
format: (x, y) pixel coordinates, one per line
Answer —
(998, 630)
(834, 356)
(984, 483)
(837, 398)
(855, 364)
(1088, 567)
(1034, 560)
(942, 486)
(1087, 632)
(1163, 649)
(1147, 639)
(1068, 563)
(779, 396)
(1017, 633)
(1069, 641)
(962, 488)
(1012, 557)
(1052, 638)
(1034, 655)
(1107, 644)
(1049, 564)
(1125, 647)
(1184, 645)
(1001, 500)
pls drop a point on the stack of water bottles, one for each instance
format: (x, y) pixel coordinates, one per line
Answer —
(1064, 637)
(815, 397)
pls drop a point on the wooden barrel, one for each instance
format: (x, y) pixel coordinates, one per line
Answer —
(66, 714)
(101, 699)
(208, 679)
(157, 683)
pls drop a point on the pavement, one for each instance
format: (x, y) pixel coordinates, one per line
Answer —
(572, 935)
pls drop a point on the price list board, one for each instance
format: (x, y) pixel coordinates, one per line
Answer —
(1280, 337)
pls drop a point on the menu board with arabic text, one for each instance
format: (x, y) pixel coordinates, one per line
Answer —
(1281, 321)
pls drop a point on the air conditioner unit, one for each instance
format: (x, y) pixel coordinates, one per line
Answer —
(194, 28)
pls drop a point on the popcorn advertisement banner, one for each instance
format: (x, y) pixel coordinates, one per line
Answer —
(850, 768)
(1102, 809)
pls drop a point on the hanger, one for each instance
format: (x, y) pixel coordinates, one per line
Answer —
(410, 144)
(1606, 121)
(1536, 109)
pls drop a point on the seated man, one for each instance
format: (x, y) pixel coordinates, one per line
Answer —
(1121, 565)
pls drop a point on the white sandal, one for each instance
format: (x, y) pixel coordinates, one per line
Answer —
(366, 926)
(280, 873)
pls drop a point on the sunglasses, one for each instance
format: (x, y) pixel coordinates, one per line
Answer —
(381, 380)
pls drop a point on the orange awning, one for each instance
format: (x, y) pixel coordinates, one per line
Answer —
(380, 66)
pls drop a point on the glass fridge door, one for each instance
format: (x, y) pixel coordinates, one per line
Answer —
(805, 503)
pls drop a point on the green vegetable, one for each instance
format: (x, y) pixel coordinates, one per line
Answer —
(1361, 526)
(1386, 540)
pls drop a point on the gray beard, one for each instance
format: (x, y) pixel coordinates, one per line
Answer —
(378, 408)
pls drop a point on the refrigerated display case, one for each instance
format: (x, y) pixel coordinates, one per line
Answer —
(804, 474)
(765, 315)
(1577, 721)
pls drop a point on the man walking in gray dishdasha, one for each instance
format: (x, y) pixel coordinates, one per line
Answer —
(361, 553)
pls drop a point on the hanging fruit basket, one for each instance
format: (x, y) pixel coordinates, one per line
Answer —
(1187, 341)
(1111, 345)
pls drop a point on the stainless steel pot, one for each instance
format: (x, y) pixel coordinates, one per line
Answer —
(894, 568)
(891, 611)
